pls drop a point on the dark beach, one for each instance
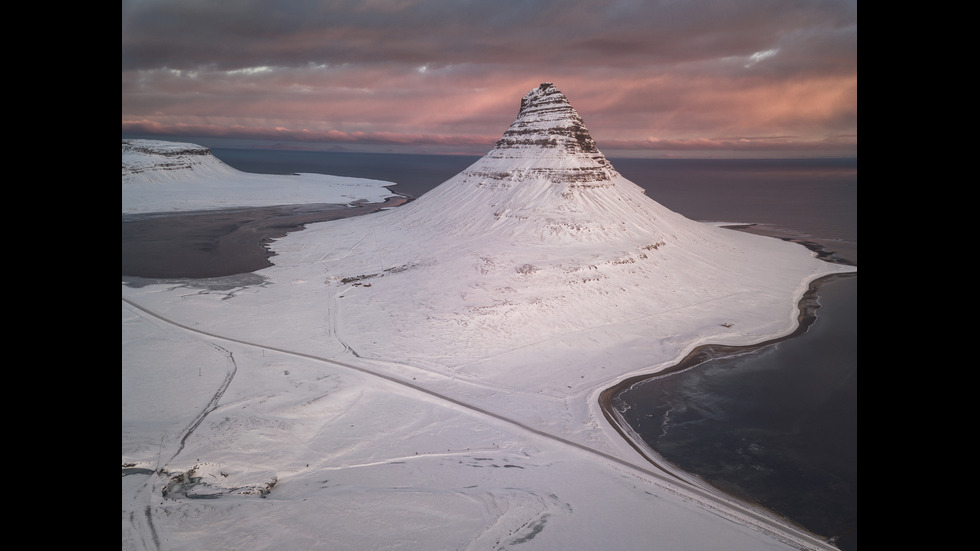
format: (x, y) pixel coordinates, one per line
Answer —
(219, 243)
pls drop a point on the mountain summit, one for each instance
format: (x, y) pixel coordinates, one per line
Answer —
(544, 180)
(547, 121)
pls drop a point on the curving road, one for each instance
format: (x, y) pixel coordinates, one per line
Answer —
(719, 504)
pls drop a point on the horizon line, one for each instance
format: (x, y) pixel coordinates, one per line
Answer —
(469, 150)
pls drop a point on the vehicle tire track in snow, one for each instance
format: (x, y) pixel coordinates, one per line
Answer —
(213, 402)
(724, 508)
(146, 521)
(153, 530)
(332, 310)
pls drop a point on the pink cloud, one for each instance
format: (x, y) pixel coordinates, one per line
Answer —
(431, 72)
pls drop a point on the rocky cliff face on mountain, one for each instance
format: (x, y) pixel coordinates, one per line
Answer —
(139, 156)
(548, 141)
(546, 119)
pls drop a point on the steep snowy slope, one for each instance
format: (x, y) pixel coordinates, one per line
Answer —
(160, 176)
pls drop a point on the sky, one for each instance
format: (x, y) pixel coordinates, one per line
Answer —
(671, 78)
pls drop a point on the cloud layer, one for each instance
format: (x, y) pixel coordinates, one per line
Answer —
(660, 78)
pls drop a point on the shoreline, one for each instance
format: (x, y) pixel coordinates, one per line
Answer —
(220, 243)
(820, 250)
(807, 305)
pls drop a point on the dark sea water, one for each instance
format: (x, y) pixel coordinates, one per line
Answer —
(800, 198)
(413, 174)
(777, 426)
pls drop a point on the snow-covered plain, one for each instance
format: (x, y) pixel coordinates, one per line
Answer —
(427, 377)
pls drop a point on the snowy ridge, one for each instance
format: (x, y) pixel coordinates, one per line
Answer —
(161, 176)
(159, 159)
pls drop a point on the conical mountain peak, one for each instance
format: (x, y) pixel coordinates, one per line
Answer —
(544, 181)
(547, 121)
(549, 143)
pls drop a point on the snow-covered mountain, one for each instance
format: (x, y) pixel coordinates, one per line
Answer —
(544, 181)
(539, 238)
(161, 176)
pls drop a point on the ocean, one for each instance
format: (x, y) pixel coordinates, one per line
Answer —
(777, 426)
(798, 198)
